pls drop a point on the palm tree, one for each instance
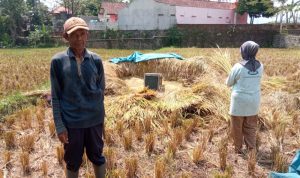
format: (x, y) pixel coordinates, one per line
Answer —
(290, 11)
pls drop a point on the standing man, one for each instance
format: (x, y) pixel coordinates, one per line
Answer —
(77, 88)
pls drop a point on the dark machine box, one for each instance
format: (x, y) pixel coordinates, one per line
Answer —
(153, 81)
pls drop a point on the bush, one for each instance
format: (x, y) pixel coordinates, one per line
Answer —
(40, 37)
(5, 40)
(174, 37)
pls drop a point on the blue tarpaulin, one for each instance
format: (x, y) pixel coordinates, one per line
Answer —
(140, 57)
(294, 169)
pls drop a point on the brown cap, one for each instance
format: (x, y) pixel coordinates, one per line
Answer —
(74, 23)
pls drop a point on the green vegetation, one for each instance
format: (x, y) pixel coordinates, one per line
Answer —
(174, 37)
(255, 9)
(14, 102)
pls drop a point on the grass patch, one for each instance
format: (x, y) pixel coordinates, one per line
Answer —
(14, 102)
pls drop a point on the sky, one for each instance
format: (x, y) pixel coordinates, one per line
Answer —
(49, 3)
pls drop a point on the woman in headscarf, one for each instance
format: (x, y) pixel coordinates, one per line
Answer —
(245, 80)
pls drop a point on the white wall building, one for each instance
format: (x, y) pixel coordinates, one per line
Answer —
(146, 15)
(163, 14)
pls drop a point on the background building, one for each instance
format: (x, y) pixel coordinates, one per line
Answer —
(163, 14)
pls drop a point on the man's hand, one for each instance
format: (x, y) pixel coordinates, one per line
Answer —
(63, 137)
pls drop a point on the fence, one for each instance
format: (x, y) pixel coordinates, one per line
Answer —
(187, 36)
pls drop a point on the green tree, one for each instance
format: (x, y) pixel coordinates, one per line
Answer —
(118, 0)
(38, 13)
(256, 8)
(289, 9)
(82, 7)
(72, 5)
(4, 37)
(31, 3)
(40, 37)
(90, 7)
(13, 10)
(85, 7)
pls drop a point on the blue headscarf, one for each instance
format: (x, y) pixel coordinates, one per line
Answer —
(248, 51)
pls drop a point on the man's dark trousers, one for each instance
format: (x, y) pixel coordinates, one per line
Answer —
(80, 138)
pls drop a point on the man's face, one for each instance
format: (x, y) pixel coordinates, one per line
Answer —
(77, 39)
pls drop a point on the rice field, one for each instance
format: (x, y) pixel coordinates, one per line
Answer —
(181, 132)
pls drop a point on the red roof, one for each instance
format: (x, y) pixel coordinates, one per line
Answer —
(113, 7)
(61, 9)
(199, 4)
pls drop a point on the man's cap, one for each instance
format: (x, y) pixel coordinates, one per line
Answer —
(73, 24)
